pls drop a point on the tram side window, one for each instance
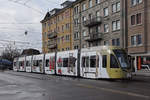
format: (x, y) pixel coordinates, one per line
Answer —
(47, 62)
(21, 63)
(104, 61)
(94, 61)
(65, 62)
(85, 61)
(113, 62)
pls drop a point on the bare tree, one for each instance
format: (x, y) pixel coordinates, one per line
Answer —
(10, 52)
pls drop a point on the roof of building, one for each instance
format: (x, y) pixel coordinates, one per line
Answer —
(48, 15)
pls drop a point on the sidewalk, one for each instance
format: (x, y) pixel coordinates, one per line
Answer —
(145, 73)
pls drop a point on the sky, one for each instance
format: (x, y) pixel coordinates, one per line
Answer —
(19, 16)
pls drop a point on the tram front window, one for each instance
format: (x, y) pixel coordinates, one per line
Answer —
(122, 57)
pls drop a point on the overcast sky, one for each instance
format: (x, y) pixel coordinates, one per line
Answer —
(18, 16)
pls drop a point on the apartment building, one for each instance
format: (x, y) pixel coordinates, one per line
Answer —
(64, 27)
(49, 32)
(57, 29)
(99, 22)
(139, 31)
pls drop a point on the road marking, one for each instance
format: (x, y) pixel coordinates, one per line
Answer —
(114, 91)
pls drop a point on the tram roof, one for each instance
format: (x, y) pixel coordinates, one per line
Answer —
(98, 48)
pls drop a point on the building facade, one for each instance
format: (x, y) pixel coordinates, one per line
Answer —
(49, 32)
(57, 29)
(87, 23)
(99, 22)
(64, 27)
(139, 31)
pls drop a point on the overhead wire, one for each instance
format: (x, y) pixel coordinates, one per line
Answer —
(24, 4)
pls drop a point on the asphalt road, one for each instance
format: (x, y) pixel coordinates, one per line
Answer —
(30, 86)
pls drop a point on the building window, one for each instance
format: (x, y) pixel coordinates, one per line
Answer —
(105, 11)
(116, 7)
(136, 40)
(133, 20)
(67, 26)
(67, 38)
(116, 42)
(90, 3)
(97, 13)
(84, 33)
(97, 29)
(139, 39)
(106, 42)
(116, 25)
(106, 28)
(139, 18)
(90, 16)
(97, 1)
(133, 40)
(76, 47)
(76, 22)
(76, 10)
(62, 28)
(113, 42)
(76, 35)
(83, 7)
(136, 19)
(83, 18)
(135, 2)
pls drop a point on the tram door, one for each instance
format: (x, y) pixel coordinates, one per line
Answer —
(104, 72)
(90, 64)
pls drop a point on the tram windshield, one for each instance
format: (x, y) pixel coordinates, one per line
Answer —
(122, 57)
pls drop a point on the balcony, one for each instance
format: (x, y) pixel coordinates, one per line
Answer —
(94, 37)
(92, 22)
(52, 35)
(52, 44)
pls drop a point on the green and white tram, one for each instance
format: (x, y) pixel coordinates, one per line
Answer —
(104, 62)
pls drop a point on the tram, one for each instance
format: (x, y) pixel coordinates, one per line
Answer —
(107, 62)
